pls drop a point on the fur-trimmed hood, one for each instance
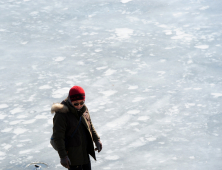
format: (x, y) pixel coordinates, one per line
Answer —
(58, 107)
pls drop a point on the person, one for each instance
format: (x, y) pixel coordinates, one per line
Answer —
(72, 116)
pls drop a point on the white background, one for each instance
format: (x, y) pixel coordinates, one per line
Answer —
(151, 71)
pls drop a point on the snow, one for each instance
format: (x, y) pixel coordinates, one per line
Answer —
(132, 87)
(123, 33)
(2, 154)
(133, 112)
(2, 106)
(204, 8)
(6, 146)
(25, 151)
(112, 157)
(15, 122)
(29, 121)
(109, 72)
(125, 1)
(6, 130)
(202, 46)
(216, 95)
(45, 87)
(143, 118)
(151, 71)
(59, 58)
(19, 131)
(108, 93)
(2, 116)
(16, 110)
(60, 92)
(118, 123)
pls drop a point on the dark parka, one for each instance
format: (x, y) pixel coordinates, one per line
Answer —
(65, 122)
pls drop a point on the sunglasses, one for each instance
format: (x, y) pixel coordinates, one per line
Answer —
(77, 104)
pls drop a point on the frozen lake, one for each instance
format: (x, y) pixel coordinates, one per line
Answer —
(151, 71)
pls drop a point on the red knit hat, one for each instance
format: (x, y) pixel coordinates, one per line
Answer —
(76, 93)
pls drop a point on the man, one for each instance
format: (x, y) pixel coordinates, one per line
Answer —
(72, 116)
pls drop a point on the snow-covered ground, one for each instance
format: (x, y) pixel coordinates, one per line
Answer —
(151, 71)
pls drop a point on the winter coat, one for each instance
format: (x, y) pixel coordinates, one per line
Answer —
(65, 122)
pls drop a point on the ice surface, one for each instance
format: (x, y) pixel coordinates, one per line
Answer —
(151, 71)
(2, 106)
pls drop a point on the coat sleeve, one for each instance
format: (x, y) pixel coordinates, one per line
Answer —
(59, 129)
(93, 130)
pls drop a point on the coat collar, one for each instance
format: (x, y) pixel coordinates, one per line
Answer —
(65, 107)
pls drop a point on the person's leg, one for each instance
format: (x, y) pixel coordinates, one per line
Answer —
(75, 167)
(86, 166)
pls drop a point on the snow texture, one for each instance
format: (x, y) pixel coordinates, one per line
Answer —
(151, 71)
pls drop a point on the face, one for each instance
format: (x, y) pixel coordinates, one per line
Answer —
(79, 102)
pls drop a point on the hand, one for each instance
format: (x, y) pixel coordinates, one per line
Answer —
(65, 162)
(99, 145)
